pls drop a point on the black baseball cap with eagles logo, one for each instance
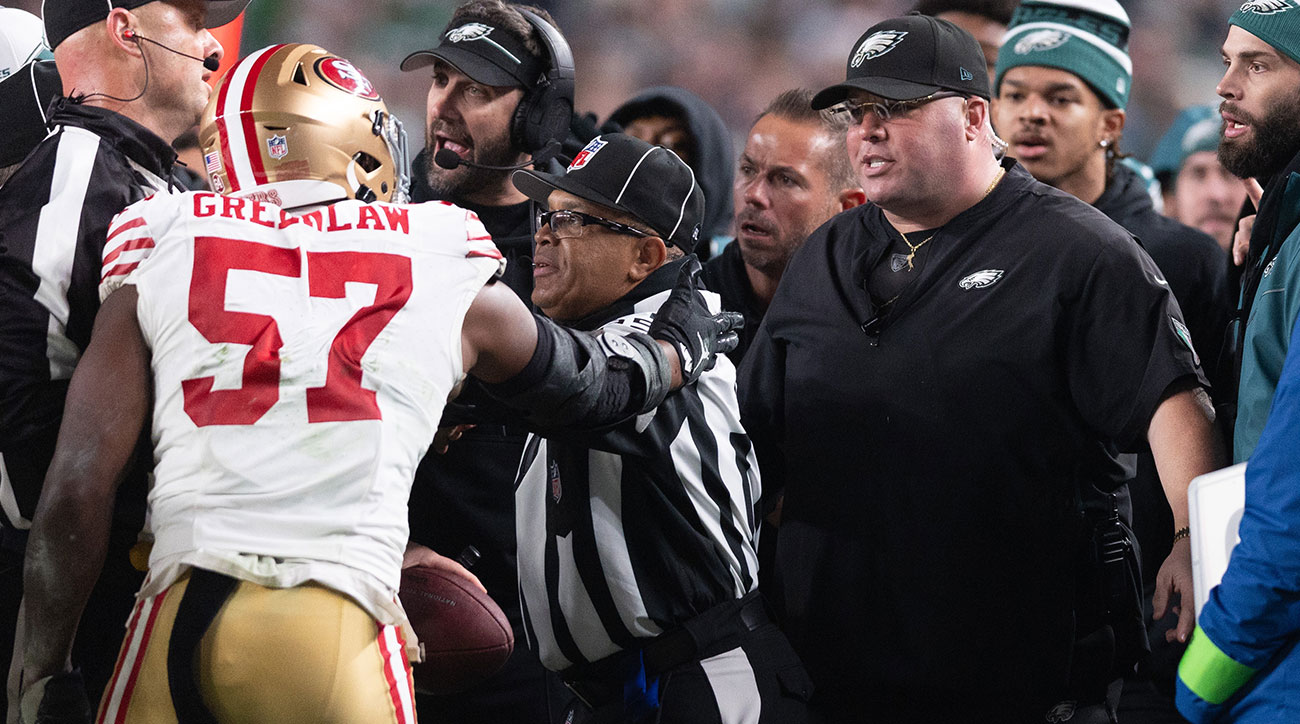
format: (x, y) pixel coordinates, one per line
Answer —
(485, 52)
(911, 57)
(618, 171)
(64, 17)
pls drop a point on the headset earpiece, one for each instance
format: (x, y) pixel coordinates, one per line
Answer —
(546, 109)
(128, 34)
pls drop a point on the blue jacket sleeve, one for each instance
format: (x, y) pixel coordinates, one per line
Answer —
(1255, 611)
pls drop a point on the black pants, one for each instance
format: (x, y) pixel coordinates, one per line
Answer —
(462, 498)
(945, 708)
(522, 692)
(1148, 696)
(737, 668)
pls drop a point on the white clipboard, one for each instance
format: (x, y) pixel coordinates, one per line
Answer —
(1215, 502)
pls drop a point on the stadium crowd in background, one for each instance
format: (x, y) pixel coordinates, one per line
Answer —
(949, 459)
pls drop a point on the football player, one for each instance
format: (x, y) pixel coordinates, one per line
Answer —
(294, 341)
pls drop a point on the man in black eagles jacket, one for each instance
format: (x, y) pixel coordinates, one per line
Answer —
(483, 108)
(940, 370)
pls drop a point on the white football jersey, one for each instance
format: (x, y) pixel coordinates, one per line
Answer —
(301, 364)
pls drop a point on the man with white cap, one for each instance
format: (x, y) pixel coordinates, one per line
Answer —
(22, 40)
(26, 88)
(133, 75)
(23, 98)
(940, 374)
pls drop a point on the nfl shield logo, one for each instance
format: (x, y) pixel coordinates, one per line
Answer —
(277, 146)
(584, 156)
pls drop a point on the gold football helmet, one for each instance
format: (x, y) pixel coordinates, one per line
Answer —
(298, 125)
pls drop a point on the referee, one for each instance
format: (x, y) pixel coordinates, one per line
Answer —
(637, 567)
(110, 146)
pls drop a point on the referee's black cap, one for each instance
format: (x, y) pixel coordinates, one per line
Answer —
(911, 57)
(625, 173)
(25, 97)
(65, 17)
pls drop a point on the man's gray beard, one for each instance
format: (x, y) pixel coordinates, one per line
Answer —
(1276, 142)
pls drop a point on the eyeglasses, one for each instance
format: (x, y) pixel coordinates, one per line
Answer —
(567, 224)
(887, 110)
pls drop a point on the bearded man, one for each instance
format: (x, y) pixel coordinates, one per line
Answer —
(1242, 661)
(1261, 140)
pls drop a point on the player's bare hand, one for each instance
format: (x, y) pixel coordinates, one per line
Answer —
(1241, 240)
(445, 436)
(1175, 576)
(418, 555)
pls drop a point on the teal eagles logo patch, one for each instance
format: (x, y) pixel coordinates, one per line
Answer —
(1267, 7)
(1040, 40)
(876, 45)
(1180, 329)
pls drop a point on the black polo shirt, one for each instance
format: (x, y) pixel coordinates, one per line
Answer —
(930, 456)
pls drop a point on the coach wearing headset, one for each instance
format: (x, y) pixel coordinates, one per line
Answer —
(501, 92)
(134, 75)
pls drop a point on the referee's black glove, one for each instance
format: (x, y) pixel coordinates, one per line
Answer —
(685, 322)
(62, 700)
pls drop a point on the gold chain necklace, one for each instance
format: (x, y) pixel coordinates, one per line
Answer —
(996, 179)
(912, 248)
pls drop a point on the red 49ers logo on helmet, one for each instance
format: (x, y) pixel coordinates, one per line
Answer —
(343, 75)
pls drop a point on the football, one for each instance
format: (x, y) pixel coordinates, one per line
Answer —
(466, 636)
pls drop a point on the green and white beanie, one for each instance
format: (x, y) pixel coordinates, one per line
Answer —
(1276, 22)
(1088, 38)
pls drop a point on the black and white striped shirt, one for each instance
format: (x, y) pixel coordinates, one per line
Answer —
(54, 218)
(627, 534)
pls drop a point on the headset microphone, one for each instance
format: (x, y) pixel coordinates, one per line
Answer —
(448, 159)
(210, 62)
